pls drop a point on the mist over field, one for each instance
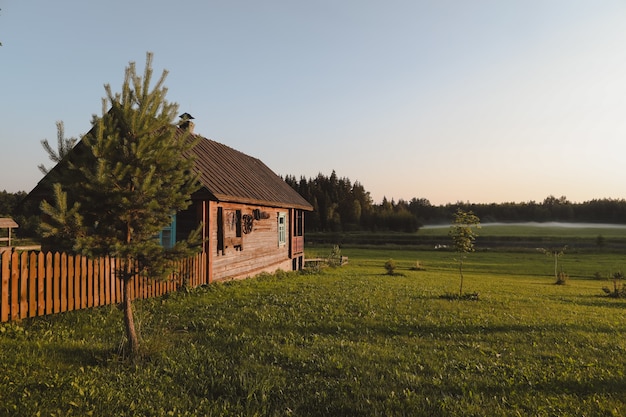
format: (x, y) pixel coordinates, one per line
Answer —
(542, 224)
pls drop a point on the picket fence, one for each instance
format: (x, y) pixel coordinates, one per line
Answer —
(37, 283)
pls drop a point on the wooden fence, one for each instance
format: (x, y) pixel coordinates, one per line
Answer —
(37, 283)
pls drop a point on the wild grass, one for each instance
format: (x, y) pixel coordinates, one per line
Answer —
(348, 341)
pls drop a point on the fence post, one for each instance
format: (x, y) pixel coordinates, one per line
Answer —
(56, 295)
(70, 282)
(83, 282)
(24, 285)
(41, 281)
(15, 281)
(89, 282)
(107, 283)
(64, 281)
(4, 286)
(32, 284)
(100, 287)
(49, 284)
(77, 283)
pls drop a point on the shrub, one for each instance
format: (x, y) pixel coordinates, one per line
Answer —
(390, 266)
(561, 278)
(417, 267)
(334, 259)
(619, 290)
(473, 296)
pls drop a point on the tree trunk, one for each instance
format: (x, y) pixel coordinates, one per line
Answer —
(461, 273)
(131, 334)
(556, 261)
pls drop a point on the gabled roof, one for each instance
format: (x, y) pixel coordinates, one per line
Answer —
(232, 176)
(7, 222)
(225, 175)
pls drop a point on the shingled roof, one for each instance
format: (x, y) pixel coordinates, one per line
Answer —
(225, 175)
(232, 176)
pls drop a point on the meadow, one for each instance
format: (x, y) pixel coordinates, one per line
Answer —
(560, 230)
(345, 341)
(502, 236)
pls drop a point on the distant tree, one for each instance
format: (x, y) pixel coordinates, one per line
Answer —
(463, 234)
(124, 185)
(600, 241)
(64, 145)
(555, 253)
(9, 201)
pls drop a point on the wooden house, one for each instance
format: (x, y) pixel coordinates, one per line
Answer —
(252, 220)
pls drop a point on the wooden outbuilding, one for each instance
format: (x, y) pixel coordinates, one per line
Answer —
(9, 224)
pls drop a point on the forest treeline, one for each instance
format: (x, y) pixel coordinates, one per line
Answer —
(340, 205)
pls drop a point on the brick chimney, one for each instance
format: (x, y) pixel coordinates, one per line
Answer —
(186, 122)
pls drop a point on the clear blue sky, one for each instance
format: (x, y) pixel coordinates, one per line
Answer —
(480, 101)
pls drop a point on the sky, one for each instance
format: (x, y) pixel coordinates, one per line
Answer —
(482, 101)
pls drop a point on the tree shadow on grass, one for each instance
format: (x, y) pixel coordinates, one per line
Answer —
(83, 355)
(560, 386)
(602, 300)
(444, 331)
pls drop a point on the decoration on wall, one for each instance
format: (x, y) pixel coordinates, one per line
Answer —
(247, 221)
(235, 221)
(231, 220)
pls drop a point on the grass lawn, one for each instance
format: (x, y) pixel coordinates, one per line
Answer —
(348, 341)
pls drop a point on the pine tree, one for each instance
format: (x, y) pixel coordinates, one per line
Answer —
(63, 223)
(126, 180)
(64, 146)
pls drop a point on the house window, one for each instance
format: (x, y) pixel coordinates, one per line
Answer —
(220, 230)
(167, 236)
(299, 223)
(282, 229)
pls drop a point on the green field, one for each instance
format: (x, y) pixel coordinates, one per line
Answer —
(514, 236)
(347, 341)
(559, 230)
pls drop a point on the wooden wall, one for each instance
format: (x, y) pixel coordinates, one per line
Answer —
(253, 252)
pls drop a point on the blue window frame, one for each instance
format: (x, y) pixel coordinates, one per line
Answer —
(282, 229)
(167, 236)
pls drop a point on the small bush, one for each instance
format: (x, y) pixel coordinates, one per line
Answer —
(334, 259)
(418, 267)
(473, 296)
(312, 269)
(619, 288)
(390, 266)
(562, 278)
